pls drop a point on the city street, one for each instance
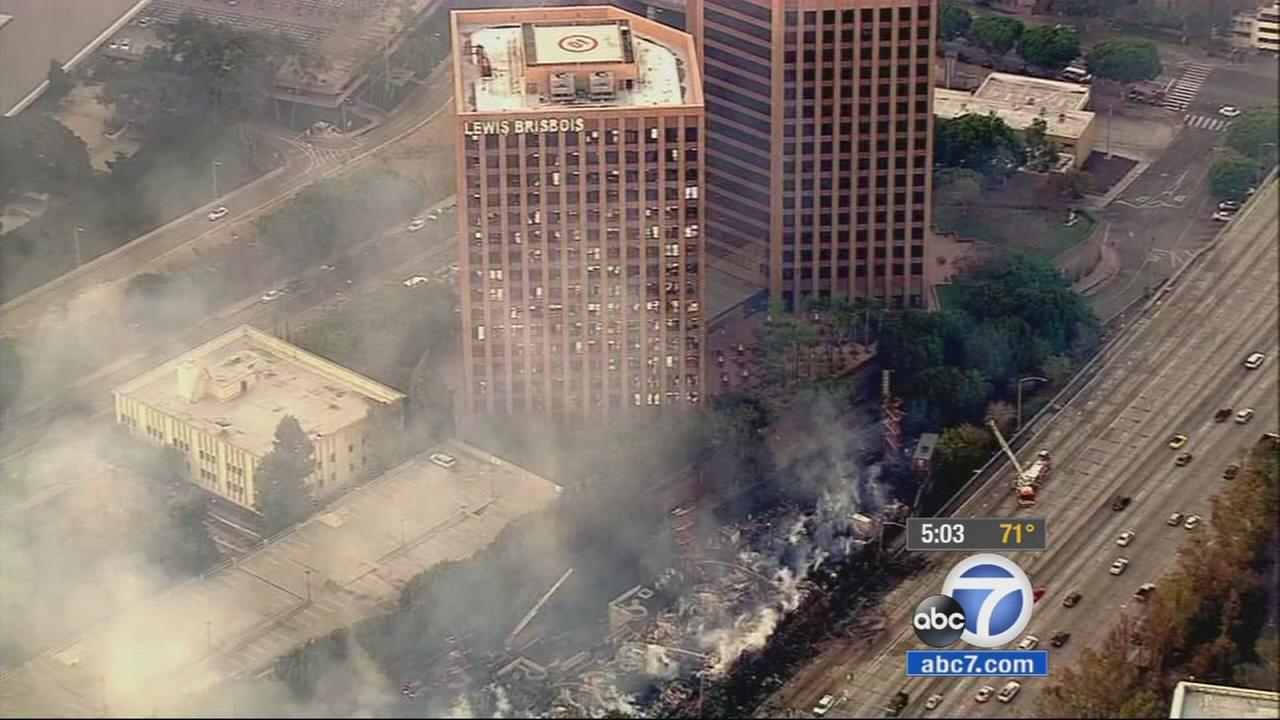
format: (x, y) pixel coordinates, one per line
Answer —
(1179, 363)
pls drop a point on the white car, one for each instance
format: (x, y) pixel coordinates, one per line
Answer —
(1254, 361)
(984, 694)
(1192, 522)
(1244, 416)
(1029, 643)
(1228, 206)
(1119, 565)
(1229, 111)
(125, 45)
(416, 224)
(1125, 538)
(1009, 691)
(415, 280)
(1221, 216)
(272, 295)
(1175, 519)
(933, 701)
(825, 703)
(444, 460)
(433, 215)
(218, 213)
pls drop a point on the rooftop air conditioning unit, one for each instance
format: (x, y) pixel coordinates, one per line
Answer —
(563, 88)
(601, 85)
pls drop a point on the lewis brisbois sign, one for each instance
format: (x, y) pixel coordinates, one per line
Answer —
(517, 126)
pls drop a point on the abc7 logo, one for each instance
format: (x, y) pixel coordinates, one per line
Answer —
(986, 601)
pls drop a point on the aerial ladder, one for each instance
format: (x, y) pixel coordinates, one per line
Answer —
(1028, 479)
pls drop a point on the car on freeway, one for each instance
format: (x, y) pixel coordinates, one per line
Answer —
(1175, 519)
(113, 45)
(1229, 111)
(410, 689)
(895, 706)
(1254, 361)
(1121, 502)
(1177, 441)
(1221, 216)
(1029, 643)
(1142, 594)
(1228, 206)
(1060, 638)
(1244, 416)
(416, 224)
(442, 274)
(272, 295)
(327, 268)
(1192, 522)
(1072, 599)
(825, 703)
(1009, 691)
(415, 280)
(1183, 459)
(453, 267)
(444, 460)
(984, 694)
(1037, 593)
(1119, 565)
(1125, 538)
(1222, 415)
(933, 701)
(433, 215)
(1231, 472)
(218, 213)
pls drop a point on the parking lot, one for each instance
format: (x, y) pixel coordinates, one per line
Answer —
(338, 566)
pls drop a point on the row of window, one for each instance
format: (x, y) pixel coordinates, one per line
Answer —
(610, 136)
(842, 271)
(552, 160)
(824, 255)
(539, 404)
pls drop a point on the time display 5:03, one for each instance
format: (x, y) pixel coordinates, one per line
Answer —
(975, 533)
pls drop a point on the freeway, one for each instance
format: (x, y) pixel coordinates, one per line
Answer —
(1179, 363)
(305, 164)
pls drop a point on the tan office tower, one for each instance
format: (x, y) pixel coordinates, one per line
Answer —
(580, 210)
(819, 143)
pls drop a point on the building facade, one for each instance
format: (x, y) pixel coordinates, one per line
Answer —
(1258, 29)
(219, 405)
(580, 209)
(819, 144)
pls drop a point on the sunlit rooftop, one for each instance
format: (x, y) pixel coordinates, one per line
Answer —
(242, 383)
(562, 58)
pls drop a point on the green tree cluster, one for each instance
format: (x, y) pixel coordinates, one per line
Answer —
(1204, 618)
(1231, 176)
(1050, 46)
(983, 143)
(39, 154)
(996, 34)
(282, 495)
(954, 21)
(1255, 133)
(1124, 60)
(1009, 319)
(1042, 153)
(306, 229)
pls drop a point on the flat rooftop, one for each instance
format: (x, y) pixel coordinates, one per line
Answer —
(1060, 123)
(1201, 700)
(573, 58)
(353, 558)
(250, 381)
(1052, 95)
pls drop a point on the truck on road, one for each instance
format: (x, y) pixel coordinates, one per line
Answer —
(1026, 481)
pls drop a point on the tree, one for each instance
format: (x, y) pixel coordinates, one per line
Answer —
(1124, 60)
(430, 400)
(1231, 176)
(1050, 46)
(1084, 8)
(39, 154)
(1003, 413)
(1042, 153)
(996, 34)
(180, 541)
(956, 186)
(282, 495)
(1058, 368)
(59, 80)
(983, 143)
(1254, 134)
(961, 450)
(954, 21)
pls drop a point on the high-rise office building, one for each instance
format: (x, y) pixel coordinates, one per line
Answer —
(819, 143)
(580, 210)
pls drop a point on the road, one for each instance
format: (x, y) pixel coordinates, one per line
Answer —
(304, 164)
(1179, 363)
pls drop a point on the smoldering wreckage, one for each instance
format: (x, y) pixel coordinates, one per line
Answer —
(663, 641)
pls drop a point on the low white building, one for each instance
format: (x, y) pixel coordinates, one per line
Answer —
(1258, 29)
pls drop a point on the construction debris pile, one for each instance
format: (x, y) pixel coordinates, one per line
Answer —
(662, 640)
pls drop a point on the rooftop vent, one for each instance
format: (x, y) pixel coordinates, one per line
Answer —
(562, 87)
(601, 86)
